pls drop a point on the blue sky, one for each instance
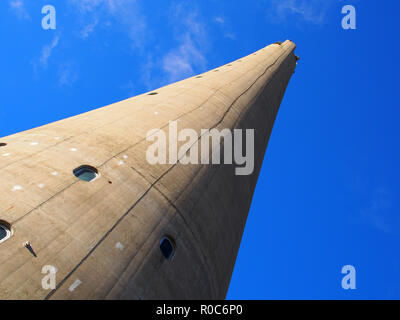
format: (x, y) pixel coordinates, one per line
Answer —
(329, 190)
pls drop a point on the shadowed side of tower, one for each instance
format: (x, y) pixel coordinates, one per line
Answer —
(111, 238)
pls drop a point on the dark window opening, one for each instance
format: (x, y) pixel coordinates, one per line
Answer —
(5, 231)
(167, 247)
(2, 144)
(86, 173)
(152, 93)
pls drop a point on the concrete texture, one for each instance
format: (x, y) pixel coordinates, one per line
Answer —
(103, 236)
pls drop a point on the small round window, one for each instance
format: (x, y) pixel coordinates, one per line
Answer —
(167, 247)
(5, 231)
(86, 173)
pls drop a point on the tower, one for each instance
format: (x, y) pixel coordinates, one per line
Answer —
(79, 198)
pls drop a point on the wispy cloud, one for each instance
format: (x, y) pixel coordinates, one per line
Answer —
(230, 35)
(188, 41)
(181, 62)
(188, 57)
(89, 28)
(313, 11)
(225, 27)
(18, 7)
(126, 13)
(220, 20)
(47, 50)
(67, 74)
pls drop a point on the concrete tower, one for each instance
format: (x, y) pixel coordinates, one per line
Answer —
(80, 203)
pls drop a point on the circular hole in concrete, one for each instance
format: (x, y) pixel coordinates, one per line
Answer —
(86, 173)
(5, 231)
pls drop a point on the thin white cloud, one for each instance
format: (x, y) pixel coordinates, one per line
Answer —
(224, 24)
(188, 32)
(47, 51)
(313, 11)
(18, 7)
(146, 73)
(230, 35)
(185, 58)
(88, 29)
(126, 13)
(180, 63)
(219, 19)
(67, 74)
(188, 57)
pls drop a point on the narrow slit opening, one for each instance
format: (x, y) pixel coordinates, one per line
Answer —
(167, 247)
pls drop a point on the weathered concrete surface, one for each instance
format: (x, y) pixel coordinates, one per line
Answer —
(103, 236)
